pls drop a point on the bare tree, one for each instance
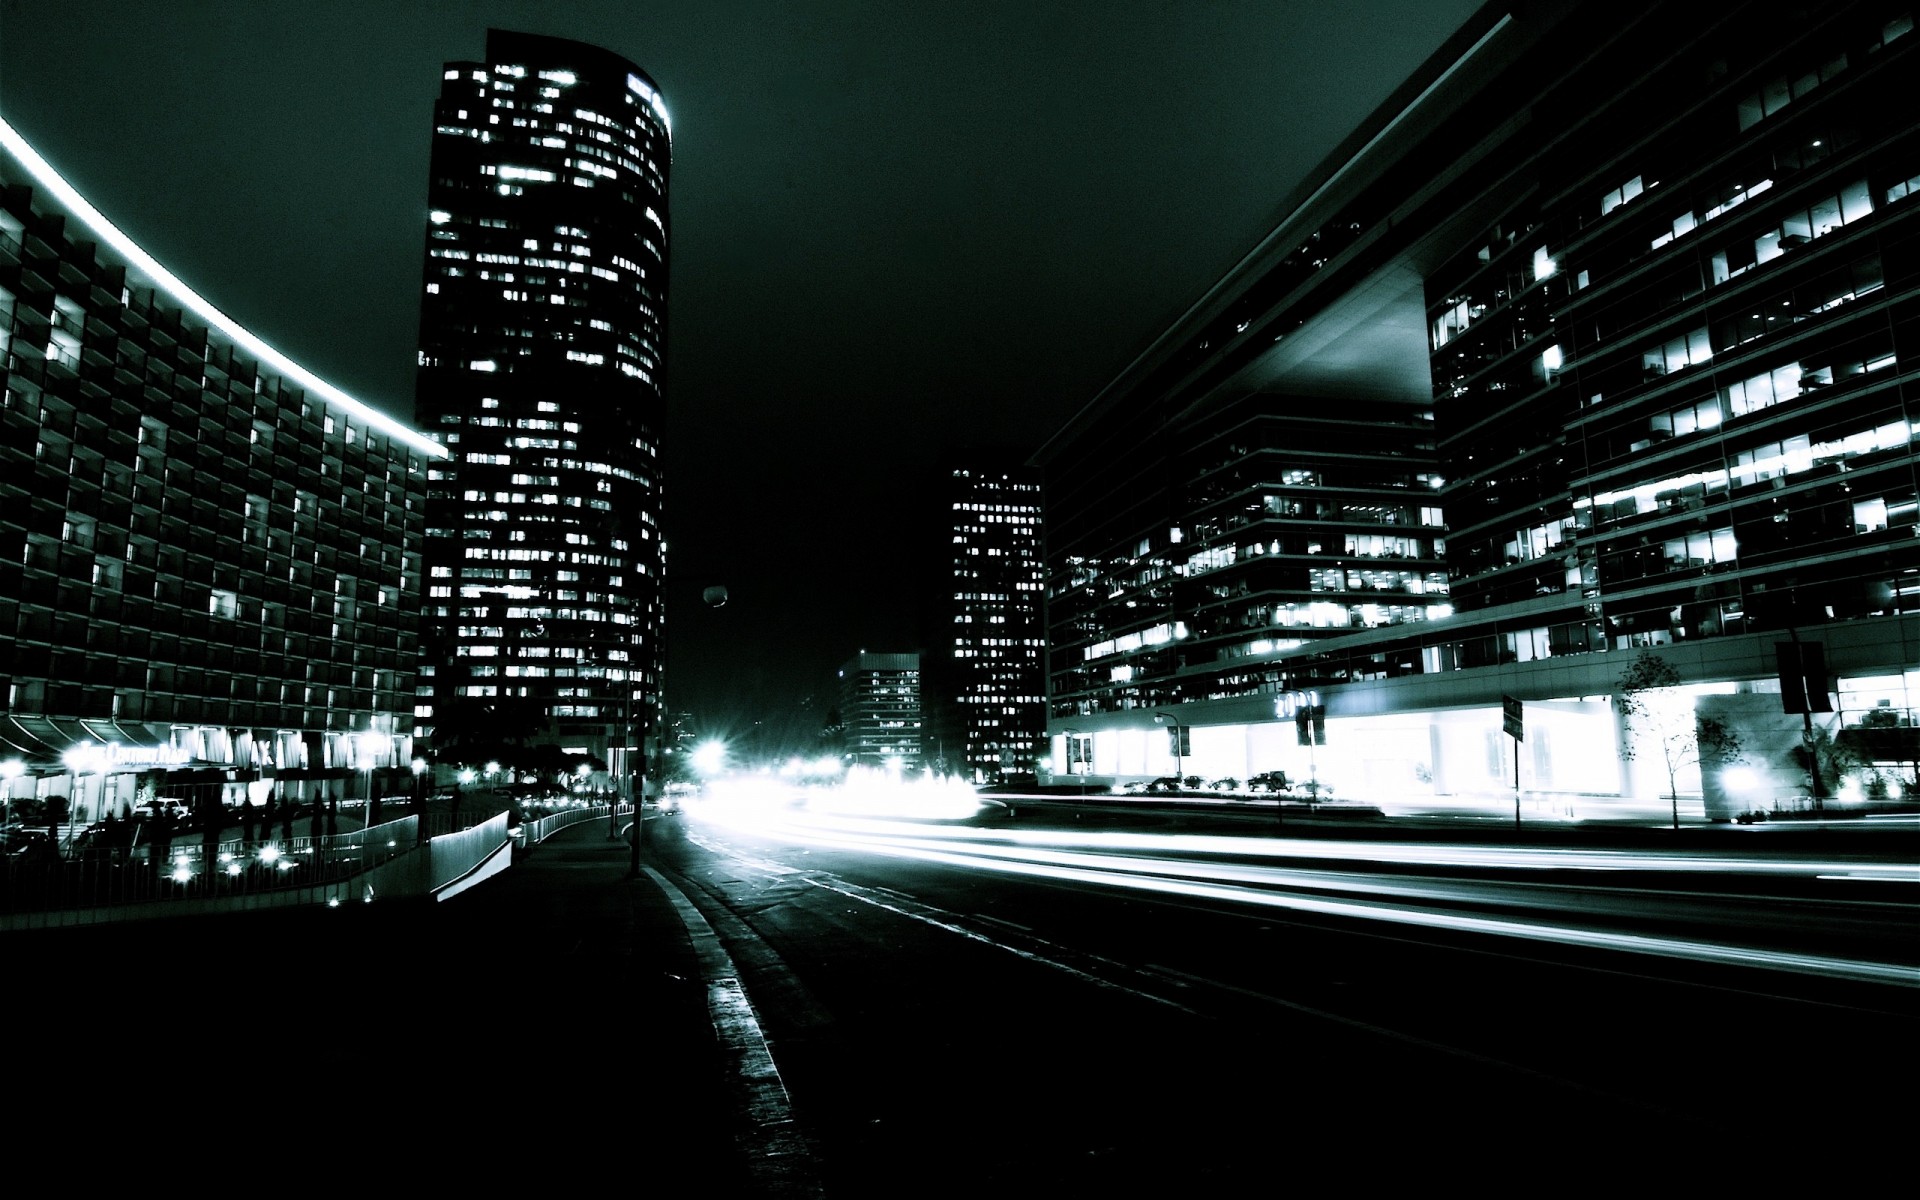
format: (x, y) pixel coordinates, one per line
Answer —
(1658, 713)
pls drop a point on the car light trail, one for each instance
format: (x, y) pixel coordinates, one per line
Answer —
(1091, 859)
(787, 823)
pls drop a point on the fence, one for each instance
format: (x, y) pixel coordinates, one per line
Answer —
(201, 874)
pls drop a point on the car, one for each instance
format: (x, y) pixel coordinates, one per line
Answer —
(103, 840)
(149, 809)
(19, 844)
(1269, 781)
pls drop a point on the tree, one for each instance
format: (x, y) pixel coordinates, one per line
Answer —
(1827, 761)
(1658, 712)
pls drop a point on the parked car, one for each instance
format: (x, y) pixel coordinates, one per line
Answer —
(20, 845)
(1268, 781)
(149, 809)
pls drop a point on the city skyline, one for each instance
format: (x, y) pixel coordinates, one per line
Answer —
(875, 248)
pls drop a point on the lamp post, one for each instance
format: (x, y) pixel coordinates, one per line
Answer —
(373, 745)
(419, 801)
(10, 770)
(1172, 723)
(84, 759)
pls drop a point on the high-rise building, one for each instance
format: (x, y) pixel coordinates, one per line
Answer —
(880, 711)
(542, 370)
(209, 557)
(990, 673)
(1600, 338)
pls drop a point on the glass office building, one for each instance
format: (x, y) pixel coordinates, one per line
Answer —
(994, 671)
(1572, 351)
(542, 371)
(879, 696)
(209, 558)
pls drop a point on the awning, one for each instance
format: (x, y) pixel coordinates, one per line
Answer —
(68, 734)
(34, 738)
(126, 735)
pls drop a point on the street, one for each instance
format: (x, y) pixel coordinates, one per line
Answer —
(811, 1008)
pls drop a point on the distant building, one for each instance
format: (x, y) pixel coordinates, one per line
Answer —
(209, 557)
(990, 673)
(1575, 349)
(542, 344)
(880, 711)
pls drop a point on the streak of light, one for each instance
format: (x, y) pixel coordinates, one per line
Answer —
(1241, 885)
(819, 827)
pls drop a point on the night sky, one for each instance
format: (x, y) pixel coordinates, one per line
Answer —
(896, 229)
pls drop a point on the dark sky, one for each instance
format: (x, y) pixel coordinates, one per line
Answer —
(896, 228)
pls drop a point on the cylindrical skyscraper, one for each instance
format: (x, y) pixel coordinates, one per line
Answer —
(542, 361)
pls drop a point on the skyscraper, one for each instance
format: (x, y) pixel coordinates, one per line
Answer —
(542, 370)
(880, 710)
(992, 674)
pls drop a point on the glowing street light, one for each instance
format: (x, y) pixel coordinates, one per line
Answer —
(10, 770)
(710, 758)
(372, 745)
(419, 801)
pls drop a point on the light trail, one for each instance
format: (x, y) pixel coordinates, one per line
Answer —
(786, 822)
(1091, 859)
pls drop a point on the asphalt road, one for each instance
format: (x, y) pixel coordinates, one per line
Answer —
(968, 1029)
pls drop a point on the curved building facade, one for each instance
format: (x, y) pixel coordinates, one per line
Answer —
(209, 557)
(542, 371)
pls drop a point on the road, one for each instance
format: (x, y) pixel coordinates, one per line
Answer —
(1030, 1004)
(841, 1007)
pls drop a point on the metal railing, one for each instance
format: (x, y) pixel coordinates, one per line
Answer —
(533, 832)
(195, 874)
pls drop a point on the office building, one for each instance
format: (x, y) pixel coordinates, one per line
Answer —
(880, 711)
(991, 671)
(209, 557)
(542, 371)
(1598, 338)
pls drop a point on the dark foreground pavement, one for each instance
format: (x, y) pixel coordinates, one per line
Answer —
(548, 1027)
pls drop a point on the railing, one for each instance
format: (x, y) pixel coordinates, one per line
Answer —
(532, 833)
(191, 875)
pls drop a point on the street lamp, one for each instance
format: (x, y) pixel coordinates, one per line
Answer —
(1172, 723)
(87, 758)
(419, 801)
(10, 770)
(373, 745)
